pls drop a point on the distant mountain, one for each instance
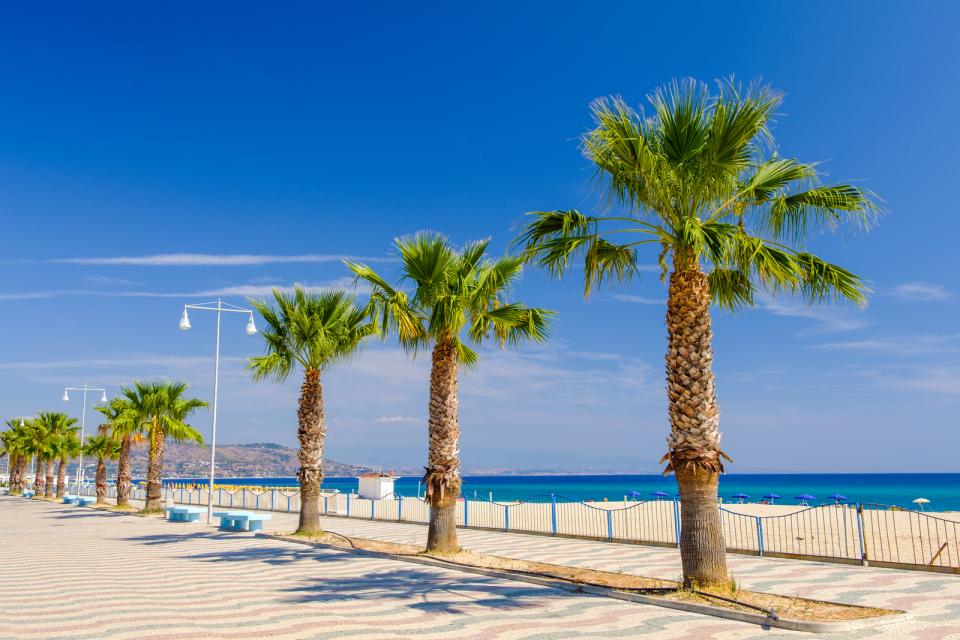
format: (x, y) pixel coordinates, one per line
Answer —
(257, 460)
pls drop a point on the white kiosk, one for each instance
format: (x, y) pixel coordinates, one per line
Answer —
(375, 486)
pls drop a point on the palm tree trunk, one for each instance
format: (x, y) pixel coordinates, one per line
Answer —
(48, 486)
(442, 478)
(155, 470)
(694, 442)
(61, 476)
(16, 474)
(101, 480)
(311, 433)
(123, 472)
(38, 477)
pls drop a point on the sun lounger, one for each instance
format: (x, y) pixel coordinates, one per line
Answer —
(241, 520)
(183, 514)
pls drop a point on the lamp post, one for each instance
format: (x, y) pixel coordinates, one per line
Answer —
(83, 420)
(219, 306)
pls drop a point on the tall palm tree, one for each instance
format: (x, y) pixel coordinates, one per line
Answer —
(103, 447)
(37, 444)
(127, 429)
(67, 446)
(696, 179)
(459, 295)
(57, 428)
(310, 332)
(161, 410)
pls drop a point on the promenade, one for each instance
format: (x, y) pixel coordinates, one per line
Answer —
(70, 572)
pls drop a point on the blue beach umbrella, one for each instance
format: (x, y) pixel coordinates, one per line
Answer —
(771, 497)
(803, 497)
(659, 494)
(838, 498)
(635, 495)
(740, 496)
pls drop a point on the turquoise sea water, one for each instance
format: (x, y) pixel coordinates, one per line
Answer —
(942, 489)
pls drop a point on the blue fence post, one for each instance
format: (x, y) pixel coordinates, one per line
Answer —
(609, 524)
(466, 511)
(231, 500)
(399, 508)
(326, 505)
(288, 503)
(219, 497)
(373, 506)
(348, 505)
(676, 519)
(256, 500)
(553, 513)
(863, 548)
(273, 498)
(759, 535)
(243, 498)
(506, 518)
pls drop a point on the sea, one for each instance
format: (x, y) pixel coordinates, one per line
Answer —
(897, 489)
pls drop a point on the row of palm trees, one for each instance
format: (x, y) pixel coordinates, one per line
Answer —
(697, 178)
(145, 411)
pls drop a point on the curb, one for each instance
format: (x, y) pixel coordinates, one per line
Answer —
(607, 592)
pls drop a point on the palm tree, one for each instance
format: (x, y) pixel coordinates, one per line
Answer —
(695, 179)
(103, 447)
(161, 410)
(37, 444)
(456, 292)
(310, 332)
(68, 446)
(14, 445)
(126, 428)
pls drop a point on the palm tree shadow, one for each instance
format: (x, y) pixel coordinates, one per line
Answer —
(428, 591)
(273, 555)
(82, 514)
(174, 538)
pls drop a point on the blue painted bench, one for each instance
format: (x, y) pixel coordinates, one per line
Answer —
(85, 501)
(27, 494)
(241, 520)
(183, 514)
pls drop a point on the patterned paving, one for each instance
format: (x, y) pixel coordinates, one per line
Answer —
(67, 572)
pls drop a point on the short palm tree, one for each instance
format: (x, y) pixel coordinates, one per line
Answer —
(103, 447)
(67, 445)
(695, 179)
(161, 411)
(309, 332)
(37, 444)
(127, 429)
(57, 429)
(13, 443)
(459, 295)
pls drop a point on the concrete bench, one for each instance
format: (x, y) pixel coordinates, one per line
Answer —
(27, 494)
(183, 514)
(241, 520)
(85, 501)
(70, 499)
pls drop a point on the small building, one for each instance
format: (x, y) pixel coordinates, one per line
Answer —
(375, 485)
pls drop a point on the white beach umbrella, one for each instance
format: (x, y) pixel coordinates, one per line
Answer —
(921, 502)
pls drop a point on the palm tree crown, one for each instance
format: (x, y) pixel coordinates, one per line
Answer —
(310, 330)
(698, 180)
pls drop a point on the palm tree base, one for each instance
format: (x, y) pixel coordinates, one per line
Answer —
(442, 533)
(702, 549)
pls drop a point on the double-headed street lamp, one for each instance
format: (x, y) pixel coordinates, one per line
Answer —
(83, 419)
(219, 306)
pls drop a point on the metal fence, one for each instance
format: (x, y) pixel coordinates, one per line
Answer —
(874, 534)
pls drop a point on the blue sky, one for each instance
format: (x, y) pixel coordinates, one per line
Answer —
(258, 145)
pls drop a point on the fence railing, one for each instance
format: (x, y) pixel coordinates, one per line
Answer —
(862, 533)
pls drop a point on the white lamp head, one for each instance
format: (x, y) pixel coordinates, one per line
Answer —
(66, 396)
(251, 327)
(103, 397)
(21, 422)
(184, 320)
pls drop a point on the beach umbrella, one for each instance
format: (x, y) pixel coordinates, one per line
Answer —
(740, 496)
(921, 502)
(838, 498)
(771, 497)
(659, 494)
(635, 495)
(803, 497)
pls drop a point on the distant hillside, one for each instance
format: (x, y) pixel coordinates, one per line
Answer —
(260, 459)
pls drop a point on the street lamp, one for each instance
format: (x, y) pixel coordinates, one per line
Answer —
(219, 306)
(83, 419)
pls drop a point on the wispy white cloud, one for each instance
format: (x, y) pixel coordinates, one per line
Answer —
(626, 297)
(251, 290)
(398, 419)
(829, 319)
(921, 292)
(903, 345)
(107, 281)
(212, 260)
